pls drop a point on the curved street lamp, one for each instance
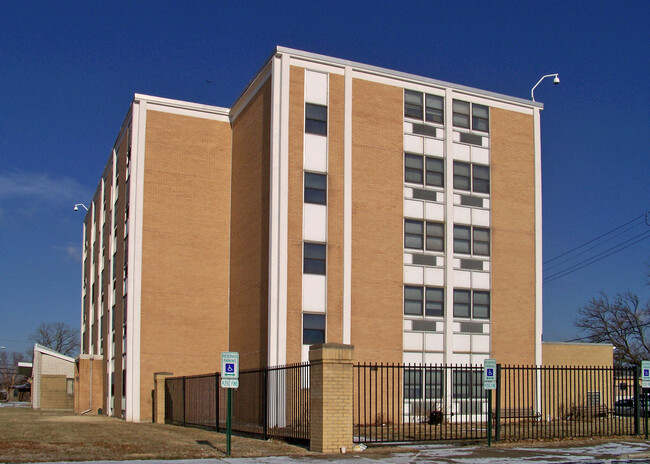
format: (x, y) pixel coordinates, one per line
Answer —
(556, 81)
(76, 207)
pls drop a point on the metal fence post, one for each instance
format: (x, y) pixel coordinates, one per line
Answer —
(265, 378)
(216, 401)
(637, 416)
(183, 401)
(497, 414)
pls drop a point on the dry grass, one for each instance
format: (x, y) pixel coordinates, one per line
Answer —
(32, 436)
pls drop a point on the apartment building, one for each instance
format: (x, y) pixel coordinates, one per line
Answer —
(333, 202)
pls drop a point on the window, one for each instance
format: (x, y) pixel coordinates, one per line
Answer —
(435, 236)
(315, 188)
(434, 106)
(481, 241)
(462, 239)
(314, 258)
(413, 232)
(480, 120)
(433, 297)
(462, 179)
(480, 178)
(412, 104)
(434, 383)
(313, 329)
(435, 172)
(412, 383)
(413, 168)
(69, 387)
(468, 384)
(479, 308)
(315, 119)
(435, 109)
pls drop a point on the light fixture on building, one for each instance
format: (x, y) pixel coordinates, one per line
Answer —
(556, 81)
(76, 207)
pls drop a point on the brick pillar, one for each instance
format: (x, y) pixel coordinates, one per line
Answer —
(330, 394)
(159, 396)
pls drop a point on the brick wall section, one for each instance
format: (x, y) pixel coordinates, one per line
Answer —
(377, 221)
(577, 354)
(54, 392)
(185, 248)
(249, 266)
(84, 377)
(294, 252)
(159, 396)
(512, 198)
(331, 393)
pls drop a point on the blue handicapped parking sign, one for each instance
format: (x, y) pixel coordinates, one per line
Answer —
(490, 372)
(230, 367)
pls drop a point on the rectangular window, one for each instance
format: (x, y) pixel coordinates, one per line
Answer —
(480, 118)
(314, 258)
(315, 119)
(315, 188)
(462, 239)
(481, 241)
(481, 306)
(435, 303)
(480, 178)
(413, 167)
(412, 104)
(435, 109)
(435, 236)
(462, 303)
(462, 180)
(468, 384)
(413, 234)
(435, 382)
(313, 329)
(461, 114)
(435, 172)
(69, 386)
(412, 383)
(413, 301)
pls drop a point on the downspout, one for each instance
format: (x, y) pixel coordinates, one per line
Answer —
(90, 406)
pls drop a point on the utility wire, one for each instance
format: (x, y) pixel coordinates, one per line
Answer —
(571, 269)
(593, 240)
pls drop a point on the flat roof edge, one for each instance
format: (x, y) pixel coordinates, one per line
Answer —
(181, 104)
(406, 76)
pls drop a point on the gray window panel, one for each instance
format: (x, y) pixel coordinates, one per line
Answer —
(315, 188)
(462, 239)
(473, 264)
(314, 258)
(413, 104)
(481, 178)
(481, 305)
(435, 299)
(435, 109)
(467, 384)
(461, 114)
(434, 382)
(412, 383)
(425, 260)
(413, 234)
(480, 118)
(472, 139)
(413, 168)
(435, 236)
(315, 119)
(422, 194)
(313, 329)
(424, 326)
(413, 301)
(422, 129)
(471, 327)
(481, 241)
(468, 200)
(462, 180)
(462, 303)
(435, 172)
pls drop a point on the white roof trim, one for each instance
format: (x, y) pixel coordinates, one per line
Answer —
(182, 104)
(50, 352)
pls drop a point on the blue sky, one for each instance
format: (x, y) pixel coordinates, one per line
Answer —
(68, 72)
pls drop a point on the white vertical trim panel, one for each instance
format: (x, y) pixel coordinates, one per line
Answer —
(538, 238)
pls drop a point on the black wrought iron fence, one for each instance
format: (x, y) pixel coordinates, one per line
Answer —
(270, 402)
(400, 403)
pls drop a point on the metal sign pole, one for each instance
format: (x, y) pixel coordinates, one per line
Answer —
(489, 414)
(228, 422)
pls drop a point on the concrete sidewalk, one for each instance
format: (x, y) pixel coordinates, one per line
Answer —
(620, 451)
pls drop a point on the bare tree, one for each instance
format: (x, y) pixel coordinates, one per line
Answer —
(622, 321)
(57, 336)
(9, 375)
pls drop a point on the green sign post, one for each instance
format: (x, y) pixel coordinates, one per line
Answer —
(489, 384)
(229, 380)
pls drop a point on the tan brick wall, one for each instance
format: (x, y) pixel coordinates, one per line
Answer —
(577, 354)
(185, 248)
(89, 371)
(377, 212)
(54, 392)
(294, 252)
(331, 393)
(250, 231)
(512, 155)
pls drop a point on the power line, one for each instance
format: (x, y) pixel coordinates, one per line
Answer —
(570, 270)
(594, 239)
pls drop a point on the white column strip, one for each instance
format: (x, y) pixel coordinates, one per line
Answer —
(449, 229)
(347, 209)
(538, 238)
